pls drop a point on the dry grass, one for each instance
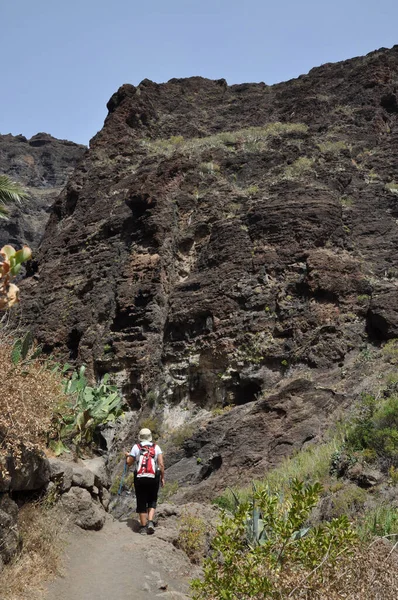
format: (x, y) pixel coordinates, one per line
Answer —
(42, 538)
(29, 393)
(372, 574)
(312, 463)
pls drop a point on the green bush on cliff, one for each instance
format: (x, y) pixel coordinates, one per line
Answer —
(267, 550)
(251, 139)
(375, 428)
(390, 351)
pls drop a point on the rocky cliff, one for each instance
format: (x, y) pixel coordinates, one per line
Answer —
(218, 241)
(42, 164)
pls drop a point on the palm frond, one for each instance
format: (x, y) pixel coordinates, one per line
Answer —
(10, 191)
(3, 212)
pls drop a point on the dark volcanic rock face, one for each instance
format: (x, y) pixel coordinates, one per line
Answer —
(215, 237)
(42, 164)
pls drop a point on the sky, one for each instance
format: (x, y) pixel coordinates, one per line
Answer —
(61, 60)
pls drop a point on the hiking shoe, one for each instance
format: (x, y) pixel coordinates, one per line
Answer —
(143, 530)
(150, 528)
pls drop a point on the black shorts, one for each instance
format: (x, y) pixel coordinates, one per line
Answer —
(146, 491)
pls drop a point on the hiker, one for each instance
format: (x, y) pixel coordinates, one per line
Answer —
(149, 471)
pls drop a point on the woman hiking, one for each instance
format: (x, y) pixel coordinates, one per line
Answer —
(147, 459)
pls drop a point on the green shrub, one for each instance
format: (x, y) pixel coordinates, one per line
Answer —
(348, 501)
(251, 138)
(390, 351)
(192, 537)
(347, 201)
(210, 167)
(180, 435)
(167, 491)
(381, 521)
(150, 398)
(256, 549)
(176, 140)
(375, 427)
(333, 147)
(115, 485)
(153, 423)
(372, 176)
(299, 167)
(252, 189)
(393, 474)
(129, 481)
(392, 187)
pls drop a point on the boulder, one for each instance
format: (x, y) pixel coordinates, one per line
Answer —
(32, 473)
(9, 506)
(83, 477)
(61, 473)
(105, 498)
(83, 511)
(170, 517)
(5, 481)
(364, 476)
(9, 537)
(187, 470)
(97, 466)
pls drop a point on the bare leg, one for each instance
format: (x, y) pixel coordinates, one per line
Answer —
(143, 519)
(151, 514)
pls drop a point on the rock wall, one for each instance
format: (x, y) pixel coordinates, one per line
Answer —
(42, 164)
(216, 239)
(211, 260)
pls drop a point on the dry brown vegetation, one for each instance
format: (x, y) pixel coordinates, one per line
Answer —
(372, 574)
(29, 393)
(41, 531)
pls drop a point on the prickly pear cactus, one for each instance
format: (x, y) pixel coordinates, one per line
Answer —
(10, 265)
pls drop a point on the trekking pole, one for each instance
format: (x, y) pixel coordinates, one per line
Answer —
(122, 479)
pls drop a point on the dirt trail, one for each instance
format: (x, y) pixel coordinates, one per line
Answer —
(117, 563)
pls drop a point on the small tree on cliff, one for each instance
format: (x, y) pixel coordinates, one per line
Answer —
(10, 259)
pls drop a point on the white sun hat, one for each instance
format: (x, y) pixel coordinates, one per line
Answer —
(145, 435)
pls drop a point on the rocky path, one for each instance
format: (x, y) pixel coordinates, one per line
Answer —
(117, 563)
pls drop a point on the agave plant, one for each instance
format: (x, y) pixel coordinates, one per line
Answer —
(10, 266)
(269, 514)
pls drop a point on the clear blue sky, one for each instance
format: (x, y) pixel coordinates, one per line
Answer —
(61, 60)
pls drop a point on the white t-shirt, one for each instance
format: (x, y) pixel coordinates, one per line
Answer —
(135, 452)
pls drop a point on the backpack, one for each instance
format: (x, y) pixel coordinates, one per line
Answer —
(146, 466)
